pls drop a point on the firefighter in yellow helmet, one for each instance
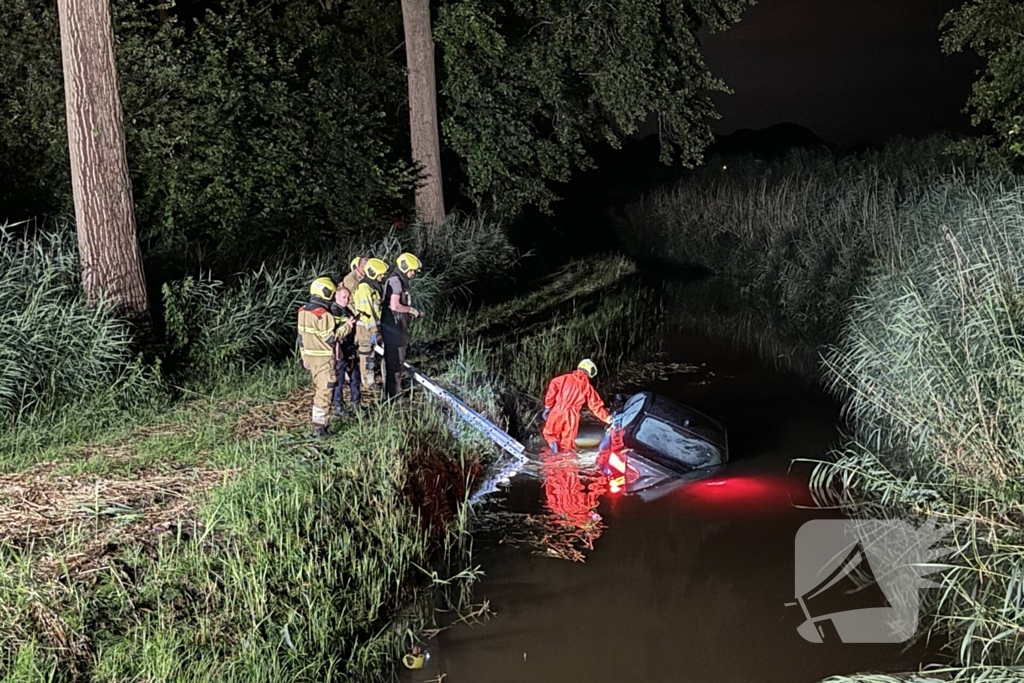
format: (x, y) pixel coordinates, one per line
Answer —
(366, 302)
(355, 273)
(565, 398)
(317, 330)
(396, 311)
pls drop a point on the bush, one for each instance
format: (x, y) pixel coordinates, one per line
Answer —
(217, 327)
(213, 324)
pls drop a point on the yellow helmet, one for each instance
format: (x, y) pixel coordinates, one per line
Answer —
(407, 262)
(322, 287)
(588, 366)
(375, 268)
(355, 262)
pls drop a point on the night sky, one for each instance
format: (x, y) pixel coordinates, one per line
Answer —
(850, 70)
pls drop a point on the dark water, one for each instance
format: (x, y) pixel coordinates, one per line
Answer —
(690, 586)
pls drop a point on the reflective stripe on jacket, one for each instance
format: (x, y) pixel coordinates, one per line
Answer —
(316, 330)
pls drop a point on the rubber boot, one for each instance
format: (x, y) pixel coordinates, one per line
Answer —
(320, 431)
(340, 411)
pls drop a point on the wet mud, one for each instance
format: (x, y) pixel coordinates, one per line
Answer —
(689, 586)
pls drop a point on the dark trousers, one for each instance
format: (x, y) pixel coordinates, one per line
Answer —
(349, 367)
(394, 359)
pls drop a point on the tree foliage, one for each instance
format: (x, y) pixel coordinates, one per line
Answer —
(528, 84)
(262, 122)
(246, 121)
(995, 30)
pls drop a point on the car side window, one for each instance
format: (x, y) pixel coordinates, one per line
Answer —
(631, 409)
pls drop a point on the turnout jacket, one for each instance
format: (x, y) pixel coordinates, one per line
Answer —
(366, 300)
(316, 327)
(351, 281)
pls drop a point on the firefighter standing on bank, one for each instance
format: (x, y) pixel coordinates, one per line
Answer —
(355, 274)
(396, 310)
(366, 301)
(565, 398)
(316, 340)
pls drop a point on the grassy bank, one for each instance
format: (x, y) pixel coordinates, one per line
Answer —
(223, 548)
(165, 516)
(905, 272)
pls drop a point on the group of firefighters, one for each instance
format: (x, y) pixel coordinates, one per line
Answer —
(340, 327)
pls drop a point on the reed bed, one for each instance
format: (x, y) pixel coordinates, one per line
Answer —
(903, 270)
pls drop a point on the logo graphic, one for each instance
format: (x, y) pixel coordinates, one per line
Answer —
(878, 565)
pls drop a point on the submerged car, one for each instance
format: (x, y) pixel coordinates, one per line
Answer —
(654, 444)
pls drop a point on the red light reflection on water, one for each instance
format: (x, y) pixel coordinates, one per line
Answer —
(748, 491)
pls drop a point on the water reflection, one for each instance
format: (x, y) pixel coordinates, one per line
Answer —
(571, 497)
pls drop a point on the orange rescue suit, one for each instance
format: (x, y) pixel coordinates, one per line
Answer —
(565, 398)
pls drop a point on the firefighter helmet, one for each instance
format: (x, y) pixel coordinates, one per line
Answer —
(375, 268)
(407, 262)
(588, 366)
(356, 261)
(322, 287)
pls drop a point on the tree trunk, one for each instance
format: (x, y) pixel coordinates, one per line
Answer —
(426, 142)
(107, 242)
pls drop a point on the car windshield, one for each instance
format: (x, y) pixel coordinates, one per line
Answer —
(672, 442)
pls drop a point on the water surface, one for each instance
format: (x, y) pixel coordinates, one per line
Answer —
(691, 586)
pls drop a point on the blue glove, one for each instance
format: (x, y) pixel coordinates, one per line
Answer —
(373, 339)
(544, 415)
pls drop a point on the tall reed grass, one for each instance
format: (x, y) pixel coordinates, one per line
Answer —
(54, 349)
(57, 351)
(929, 365)
(795, 236)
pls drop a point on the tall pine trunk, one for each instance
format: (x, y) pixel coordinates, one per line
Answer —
(426, 142)
(107, 241)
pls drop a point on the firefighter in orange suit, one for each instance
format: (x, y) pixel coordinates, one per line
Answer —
(563, 402)
(317, 329)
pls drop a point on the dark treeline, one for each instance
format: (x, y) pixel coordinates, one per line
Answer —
(256, 126)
